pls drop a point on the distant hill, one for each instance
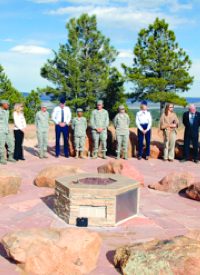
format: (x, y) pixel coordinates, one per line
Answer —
(195, 100)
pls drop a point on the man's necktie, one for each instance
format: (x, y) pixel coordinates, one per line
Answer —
(192, 119)
(62, 115)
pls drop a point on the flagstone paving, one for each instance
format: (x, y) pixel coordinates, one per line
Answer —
(162, 215)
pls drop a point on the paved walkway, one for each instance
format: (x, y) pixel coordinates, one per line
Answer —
(162, 215)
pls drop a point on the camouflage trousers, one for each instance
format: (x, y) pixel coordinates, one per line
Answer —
(102, 137)
(42, 137)
(6, 139)
(122, 142)
(79, 143)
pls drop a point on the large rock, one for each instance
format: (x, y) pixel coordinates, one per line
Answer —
(179, 255)
(174, 182)
(47, 177)
(156, 150)
(121, 167)
(9, 182)
(193, 191)
(54, 251)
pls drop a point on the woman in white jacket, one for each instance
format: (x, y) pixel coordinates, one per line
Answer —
(19, 126)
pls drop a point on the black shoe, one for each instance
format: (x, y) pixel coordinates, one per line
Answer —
(22, 159)
(57, 156)
(196, 161)
(184, 160)
(139, 158)
(67, 156)
(171, 160)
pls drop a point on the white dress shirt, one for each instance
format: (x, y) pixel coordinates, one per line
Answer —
(19, 121)
(143, 117)
(57, 117)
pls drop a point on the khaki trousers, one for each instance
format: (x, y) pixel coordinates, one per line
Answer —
(169, 144)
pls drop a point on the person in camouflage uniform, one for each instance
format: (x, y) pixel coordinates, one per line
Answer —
(42, 126)
(6, 138)
(121, 123)
(99, 122)
(79, 125)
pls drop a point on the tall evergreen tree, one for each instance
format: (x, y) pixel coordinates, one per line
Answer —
(160, 68)
(8, 92)
(5, 83)
(80, 68)
(114, 93)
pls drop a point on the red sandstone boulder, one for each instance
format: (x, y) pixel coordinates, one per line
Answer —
(54, 251)
(193, 191)
(156, 150)
(9, 182)
(174, 182)
(121, 167)
(179, 255)
(47, 177)
(179, 149)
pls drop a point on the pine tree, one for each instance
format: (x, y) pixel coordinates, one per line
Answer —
(8, 92)
(114, 93)
(5, 83)
(80, 68)
(160, 67)
(31, 106)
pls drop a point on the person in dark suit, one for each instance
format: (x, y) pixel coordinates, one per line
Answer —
(61, 116)
(191, 121)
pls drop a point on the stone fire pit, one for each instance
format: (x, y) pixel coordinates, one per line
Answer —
(105, 199)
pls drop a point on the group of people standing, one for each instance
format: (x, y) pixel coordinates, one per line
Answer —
(99, 122)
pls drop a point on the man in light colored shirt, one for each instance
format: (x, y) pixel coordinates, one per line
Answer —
(99, 122)
(79, 125)
(121, 123)
(5, 134)
(144, 123)
(42, 126)
(61, 116)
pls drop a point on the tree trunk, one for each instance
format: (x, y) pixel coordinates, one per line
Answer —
(162, 107)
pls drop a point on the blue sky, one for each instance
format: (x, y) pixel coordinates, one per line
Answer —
(30, 29)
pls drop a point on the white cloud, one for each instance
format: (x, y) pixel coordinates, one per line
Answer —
(31, 49)
(123, 16)
(174, 5)
(22, 71)
(125, 54)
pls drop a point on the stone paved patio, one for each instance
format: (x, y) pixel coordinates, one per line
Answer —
(162, 215)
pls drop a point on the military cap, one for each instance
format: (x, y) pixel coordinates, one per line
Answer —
(100, 102)
(79, 110)
(3, 101)
(121, 107)
(144, 102)
(43, 105)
